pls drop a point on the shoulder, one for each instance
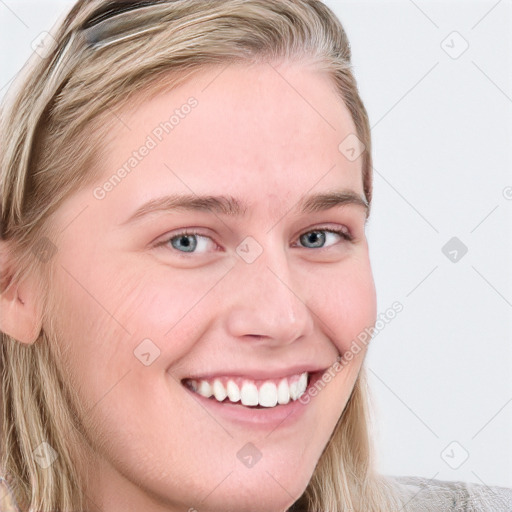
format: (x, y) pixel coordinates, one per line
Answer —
(429, 495)
(7, 503)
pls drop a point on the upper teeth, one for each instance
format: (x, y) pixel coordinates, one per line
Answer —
(269, 394)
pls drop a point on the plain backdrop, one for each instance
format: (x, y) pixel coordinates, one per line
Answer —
(436, 79)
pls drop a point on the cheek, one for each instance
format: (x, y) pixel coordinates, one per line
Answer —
(105, 312)
(347, 303)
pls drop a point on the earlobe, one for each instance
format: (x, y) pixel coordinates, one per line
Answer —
(20, 316)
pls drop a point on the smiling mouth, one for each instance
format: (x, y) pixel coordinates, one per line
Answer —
(254, 394)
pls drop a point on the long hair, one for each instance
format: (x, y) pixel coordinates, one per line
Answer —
(102, 55)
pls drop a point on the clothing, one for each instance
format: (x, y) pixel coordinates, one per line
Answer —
(419, 495)
(425, 495)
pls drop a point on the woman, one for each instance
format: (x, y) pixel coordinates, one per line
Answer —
(185, 274)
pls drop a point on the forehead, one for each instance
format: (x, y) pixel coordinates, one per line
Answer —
(253, 129)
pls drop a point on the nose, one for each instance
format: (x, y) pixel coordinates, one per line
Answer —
(266, 302)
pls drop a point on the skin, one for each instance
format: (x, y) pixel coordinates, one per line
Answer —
(254, 137)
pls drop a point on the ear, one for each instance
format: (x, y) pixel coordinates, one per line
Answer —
(20, 315)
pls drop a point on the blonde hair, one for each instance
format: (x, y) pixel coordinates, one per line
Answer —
(99, 62)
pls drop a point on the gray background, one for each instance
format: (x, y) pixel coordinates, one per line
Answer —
(441, 121)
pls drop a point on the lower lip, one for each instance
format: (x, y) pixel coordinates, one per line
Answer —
(267, 417)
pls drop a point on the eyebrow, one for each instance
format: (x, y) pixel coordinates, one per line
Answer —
(232, 207)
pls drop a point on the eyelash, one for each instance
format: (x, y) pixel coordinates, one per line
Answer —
(344, 233)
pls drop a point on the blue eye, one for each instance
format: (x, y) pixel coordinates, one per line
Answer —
(314, 238)
(187, 241)
(191, 241)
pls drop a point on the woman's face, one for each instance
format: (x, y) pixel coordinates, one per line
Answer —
(256, 293)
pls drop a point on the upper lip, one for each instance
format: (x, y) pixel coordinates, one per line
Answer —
(258, 373)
